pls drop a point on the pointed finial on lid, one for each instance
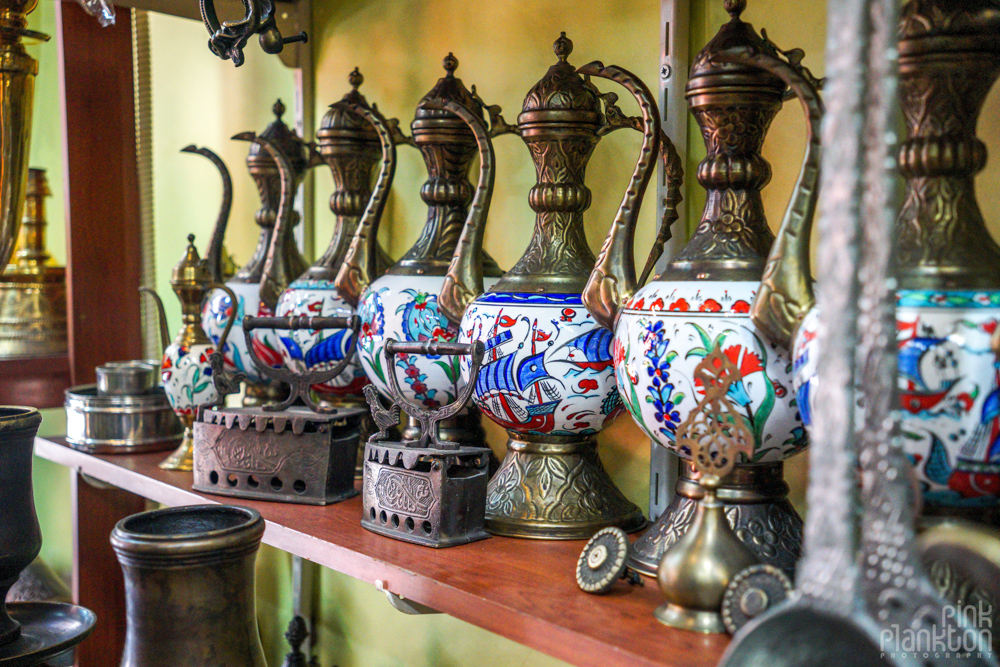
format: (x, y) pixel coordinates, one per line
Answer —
(563, 47)
(278, 109)
(450, 63)
(190, 239)
(355, 78)
(735, 8)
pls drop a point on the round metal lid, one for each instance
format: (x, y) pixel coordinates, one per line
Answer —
(752, 592)
(602, 561)
(340, 122)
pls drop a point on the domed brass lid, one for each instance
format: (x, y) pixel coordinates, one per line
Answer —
(707, 73)
(561, 94)
(449, 87)
(287, 140)
(341, 123)
(191, 271)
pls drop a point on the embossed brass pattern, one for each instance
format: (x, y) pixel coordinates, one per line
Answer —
(736, 86)
(448, 147)
(266, 175)
(350, 147)
(33, 289)
(695, 572)
(949, 60)
(757, 507)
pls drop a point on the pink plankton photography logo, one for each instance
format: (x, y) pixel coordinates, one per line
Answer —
(951, 638)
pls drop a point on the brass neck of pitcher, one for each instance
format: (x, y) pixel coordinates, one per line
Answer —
(945, 77)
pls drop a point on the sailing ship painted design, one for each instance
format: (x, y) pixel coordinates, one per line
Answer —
(949, 391)
(541, 374)
(306, 350)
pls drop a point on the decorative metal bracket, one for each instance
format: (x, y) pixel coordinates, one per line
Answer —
(227, 39)
(429, 419)
(300, 383)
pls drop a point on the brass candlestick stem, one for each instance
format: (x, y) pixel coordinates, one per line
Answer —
(33, 289)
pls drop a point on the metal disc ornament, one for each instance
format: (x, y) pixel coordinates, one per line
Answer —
(602, 562)
(752, 592)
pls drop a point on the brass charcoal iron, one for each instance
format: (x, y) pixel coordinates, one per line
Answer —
(427, 491)
(282, 452)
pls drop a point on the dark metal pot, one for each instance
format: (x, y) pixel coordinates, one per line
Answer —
(189, 586)
(20, 536)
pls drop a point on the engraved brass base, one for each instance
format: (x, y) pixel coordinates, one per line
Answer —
(555, 488)
(183, 457)
(708, 622)
(756, 499)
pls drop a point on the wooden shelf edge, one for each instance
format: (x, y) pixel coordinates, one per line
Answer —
(523, 625)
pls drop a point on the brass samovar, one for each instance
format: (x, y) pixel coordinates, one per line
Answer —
(33, 289)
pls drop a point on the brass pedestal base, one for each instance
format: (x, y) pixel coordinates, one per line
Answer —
(756, 499)
(183, 457)
(555, 488)
(708, 622)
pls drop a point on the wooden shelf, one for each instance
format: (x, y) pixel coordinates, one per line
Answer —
(35, 381)
(524, 590)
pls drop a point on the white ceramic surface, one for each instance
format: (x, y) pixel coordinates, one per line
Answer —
(216, 311)
(187, 377)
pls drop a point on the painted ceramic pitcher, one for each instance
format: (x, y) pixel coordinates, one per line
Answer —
(403, 304)
(186, 367)
(276, 261)
(702, 301)
(946, 264)
(350, 145)
(547, 375)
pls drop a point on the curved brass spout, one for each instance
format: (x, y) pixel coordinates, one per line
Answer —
(786, 293)
(270, 289)
(464, 280)
(161, 316)
(213, 257)
(360, 263)
(612, 282)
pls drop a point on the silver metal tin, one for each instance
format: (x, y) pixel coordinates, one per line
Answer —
(120, 424)
(127, 378)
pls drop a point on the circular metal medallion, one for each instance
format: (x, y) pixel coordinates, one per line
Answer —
(752, 592)
(602, 561)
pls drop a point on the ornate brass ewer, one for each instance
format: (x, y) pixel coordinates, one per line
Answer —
(17, 94)
(547, 377)
(33, 289)
(403, 304)
(259, 283)
(349, 144)
(946, 264)
(702, 301)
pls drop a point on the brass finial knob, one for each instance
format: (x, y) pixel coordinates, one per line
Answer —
(735, 8)
(563, 47)
(356, 78)
(450, 63)
(278, 109)
(190, 239)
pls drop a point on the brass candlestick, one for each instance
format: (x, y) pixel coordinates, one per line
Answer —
(696, 570)
(33, 289)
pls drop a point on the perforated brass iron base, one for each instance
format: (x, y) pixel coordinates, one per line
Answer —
(708, 622)
(756, 499)
(555, 488)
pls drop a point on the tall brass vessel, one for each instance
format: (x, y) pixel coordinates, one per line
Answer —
(33, 289)
(189, 586)
(17, 94)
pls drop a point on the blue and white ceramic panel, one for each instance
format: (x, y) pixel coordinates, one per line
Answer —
(309, 351)
(662, 335)
(214, 315)
(548, 367)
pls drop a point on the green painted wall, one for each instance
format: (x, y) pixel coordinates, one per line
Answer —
(503, 46)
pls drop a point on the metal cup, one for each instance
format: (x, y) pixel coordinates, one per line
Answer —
(127, 378)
